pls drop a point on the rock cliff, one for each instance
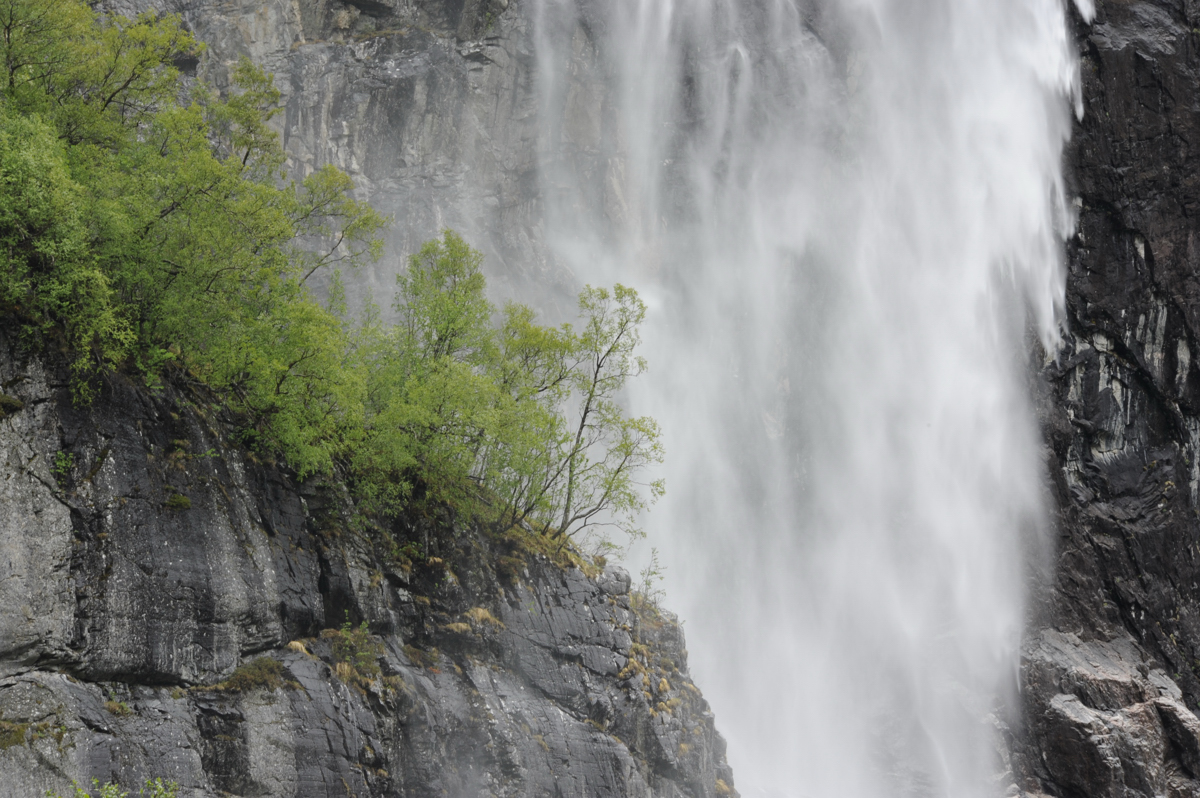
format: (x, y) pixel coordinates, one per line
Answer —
(1111, 669)
(431, 106)
(171, 607)
(145, 559)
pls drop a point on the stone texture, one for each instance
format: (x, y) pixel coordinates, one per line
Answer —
(1102, 721)
(125, 609)
(108, 595)
(1111, 668)
(431, 106)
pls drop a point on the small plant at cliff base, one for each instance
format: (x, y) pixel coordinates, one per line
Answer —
(408, 553)
(10, 405)
(355, 651)
(63, 463)
(177, 501)
(262, 672)
(118, 708)
(154, 788)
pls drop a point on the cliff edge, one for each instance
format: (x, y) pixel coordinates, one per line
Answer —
(172, 607)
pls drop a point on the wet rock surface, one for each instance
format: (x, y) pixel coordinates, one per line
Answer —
(170, 607)
(1110, 679)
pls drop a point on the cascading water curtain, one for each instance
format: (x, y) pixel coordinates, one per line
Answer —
(846, 217)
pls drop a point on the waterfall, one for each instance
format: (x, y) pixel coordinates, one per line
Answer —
(847, 218)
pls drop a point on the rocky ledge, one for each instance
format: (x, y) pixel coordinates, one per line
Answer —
(172, 607)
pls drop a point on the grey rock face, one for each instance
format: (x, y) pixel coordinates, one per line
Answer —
(1107, 722)
(431, 106)
(146, 558)
(1111, 680)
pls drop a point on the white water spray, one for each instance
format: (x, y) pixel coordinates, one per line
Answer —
(846, 215)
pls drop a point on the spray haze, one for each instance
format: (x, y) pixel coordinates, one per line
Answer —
(845, 215)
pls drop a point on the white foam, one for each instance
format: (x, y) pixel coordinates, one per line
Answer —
(847, 217)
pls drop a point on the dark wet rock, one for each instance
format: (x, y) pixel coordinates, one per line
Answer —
(1102, 721)
(1111, 668)
(476, 669)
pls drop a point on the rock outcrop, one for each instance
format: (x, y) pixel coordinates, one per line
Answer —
(171, 607)
(1112, 666)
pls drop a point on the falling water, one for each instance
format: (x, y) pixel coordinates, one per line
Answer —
(847, 218)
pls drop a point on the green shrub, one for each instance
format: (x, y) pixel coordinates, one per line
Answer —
(10, 405)
(263, 672)
(118, 708)
(356, 647)
(154, 788)
(148, 225)
(64, 462)
(12, 734)
(177, 501)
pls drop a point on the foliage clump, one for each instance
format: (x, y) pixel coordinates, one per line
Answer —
(148, 226)
(260, 673)
(177, 501)
(64, 462)
(118, 708)
(421, 657)
(499, 416)
(154, 788)
(145, 222)
(356, 653)
(480, 615)
(12, 734)
(10, 405)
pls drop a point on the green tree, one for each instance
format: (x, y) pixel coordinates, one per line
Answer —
(515, 420)
(605, 450)
(149, 225)
(443, 310)
(431, 399)
(149, 222)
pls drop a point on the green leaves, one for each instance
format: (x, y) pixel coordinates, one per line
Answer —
(152, 226)
(155, 788)
(444, 313)
(41, 43)
(607, 450)
(514, 422)
(47, 272)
